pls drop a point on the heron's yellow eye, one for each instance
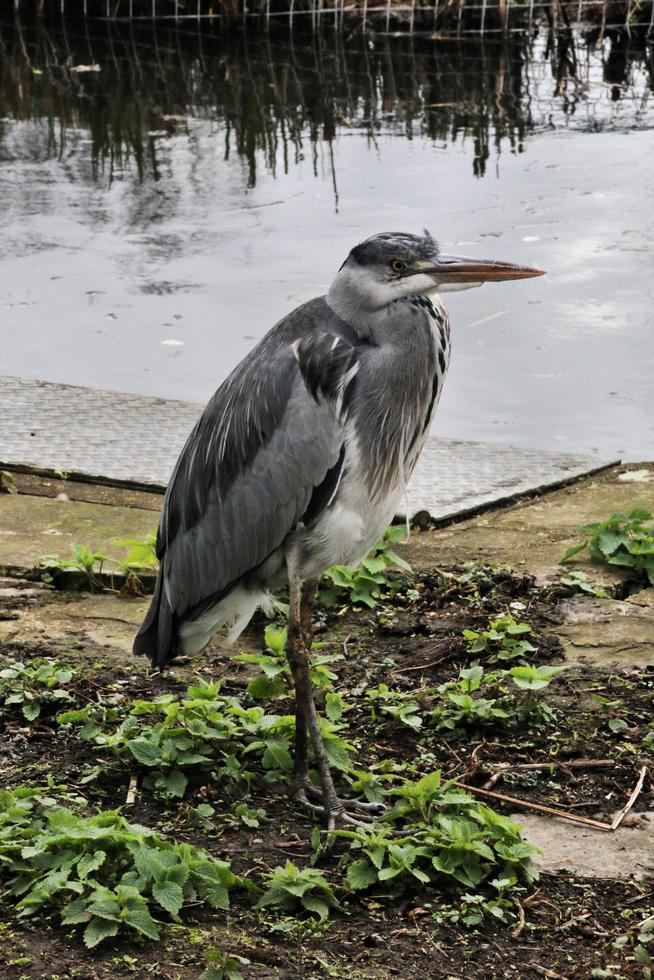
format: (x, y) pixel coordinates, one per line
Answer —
(398, 266)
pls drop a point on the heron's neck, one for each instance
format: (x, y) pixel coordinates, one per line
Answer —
(365, 307)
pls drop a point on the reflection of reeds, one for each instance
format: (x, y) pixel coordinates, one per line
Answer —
(280, 98)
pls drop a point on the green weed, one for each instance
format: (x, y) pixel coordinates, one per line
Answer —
(641, 941)
(100, 872)
(443, 834)
(140, 557)
(400, 705)
(462, 704)
(366, 584)
(206, 733)
(141, 553)
(458, 708)
(86, 562)
(577, 581)
(223, 966)
(505, 639)
(291, 890)
(7, 484)
(624, 540)
(473, 909)
(275, 678)
(34, 687)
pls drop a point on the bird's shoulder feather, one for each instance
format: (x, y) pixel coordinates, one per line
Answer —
(267, 439)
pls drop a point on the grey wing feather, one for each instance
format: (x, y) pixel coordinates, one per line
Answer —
(246, 476)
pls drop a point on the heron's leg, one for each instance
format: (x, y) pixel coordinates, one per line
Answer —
(300, 632)
(294, 655)
(306, 716)
(301, 762)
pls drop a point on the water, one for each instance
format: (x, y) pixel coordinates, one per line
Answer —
(158, 215)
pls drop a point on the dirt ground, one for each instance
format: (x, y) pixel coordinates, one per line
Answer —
(578, 922)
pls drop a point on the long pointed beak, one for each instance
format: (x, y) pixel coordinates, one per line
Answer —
(460, 269)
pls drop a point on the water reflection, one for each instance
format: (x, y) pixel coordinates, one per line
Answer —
(160, 213)
(280, 100)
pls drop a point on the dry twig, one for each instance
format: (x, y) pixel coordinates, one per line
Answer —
(540, 807)
(544, 972)
(619, 817)
(521, 918)
(562, 764)
(131, 791)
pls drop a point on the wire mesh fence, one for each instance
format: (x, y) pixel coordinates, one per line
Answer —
(458, 17)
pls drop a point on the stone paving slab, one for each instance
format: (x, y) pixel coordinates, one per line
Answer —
(134, 438)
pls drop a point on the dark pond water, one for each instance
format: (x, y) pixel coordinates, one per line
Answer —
(161, 212)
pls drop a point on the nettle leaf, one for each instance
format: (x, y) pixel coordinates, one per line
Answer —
(169, 895)
(75, 912)
(263, 686)
(334, 705)
(374, 564)
(97, 930)
(361, 874)
(145, 751)
(574, 550)
(217, 896)
(277, 755)
(31, 710)
(104, 907)
(147, 860)
(275, 638)
(312, 903)
(175, 783)
(90, 862)
(337, 754)
(399, 562)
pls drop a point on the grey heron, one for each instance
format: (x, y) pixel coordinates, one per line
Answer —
(300, 459)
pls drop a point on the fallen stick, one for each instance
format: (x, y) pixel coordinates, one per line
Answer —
(576, 918)
(544, 972)
(619, 817)
(521, 918)
(570, 764)
(540, 807)
(131, 791)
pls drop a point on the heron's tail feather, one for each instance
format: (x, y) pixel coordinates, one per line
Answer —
(233, 611)
(156, 638)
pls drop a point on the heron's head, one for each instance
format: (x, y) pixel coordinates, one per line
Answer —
(393, 265)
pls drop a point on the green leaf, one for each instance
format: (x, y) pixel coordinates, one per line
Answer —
(318, 905)
(361, 874)
(214, 973)
(176, 783)
(75, 912)
(337, 754)
(31, 710)
(617, 724)
(574, 550)
(169, 895)
(97, 930)
(145, 751)
(90, 862)
(373, 564)
(400, 562)
(277, 755)
(263, 687)
(334, 705)
(141, 920)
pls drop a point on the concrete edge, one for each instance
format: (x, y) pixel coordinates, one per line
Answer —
(422, 518)
(502, 503)
(78, 476)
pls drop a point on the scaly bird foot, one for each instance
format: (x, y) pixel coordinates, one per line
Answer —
(338, 812)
